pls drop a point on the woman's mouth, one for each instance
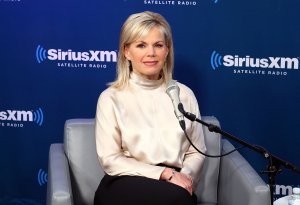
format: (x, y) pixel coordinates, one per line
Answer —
(150, 63)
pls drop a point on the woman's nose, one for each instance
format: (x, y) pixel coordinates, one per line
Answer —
(151, 51)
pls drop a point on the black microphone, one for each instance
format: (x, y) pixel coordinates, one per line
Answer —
(173, 92)
(188, 115)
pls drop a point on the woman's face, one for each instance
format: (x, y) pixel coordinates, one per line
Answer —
(148, 54)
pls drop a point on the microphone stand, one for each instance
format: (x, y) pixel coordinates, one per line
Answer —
(274, 163)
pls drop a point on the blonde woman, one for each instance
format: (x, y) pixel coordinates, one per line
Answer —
(140, 145)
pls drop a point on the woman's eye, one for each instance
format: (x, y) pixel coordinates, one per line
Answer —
(140, 46)
(159, 45)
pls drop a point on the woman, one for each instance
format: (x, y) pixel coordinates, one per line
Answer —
(140, 145)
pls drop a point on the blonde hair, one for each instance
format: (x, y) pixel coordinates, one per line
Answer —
(136, 26)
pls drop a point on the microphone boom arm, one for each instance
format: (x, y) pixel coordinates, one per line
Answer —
(274, 162)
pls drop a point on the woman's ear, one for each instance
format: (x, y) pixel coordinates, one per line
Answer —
(126, 53)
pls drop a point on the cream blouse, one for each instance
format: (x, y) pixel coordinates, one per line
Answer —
(136, 129)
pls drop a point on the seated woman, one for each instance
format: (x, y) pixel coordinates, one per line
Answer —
(141, 147)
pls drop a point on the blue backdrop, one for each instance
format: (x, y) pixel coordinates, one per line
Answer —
(241, 58)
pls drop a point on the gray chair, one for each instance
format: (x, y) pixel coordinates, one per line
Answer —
(74, 172)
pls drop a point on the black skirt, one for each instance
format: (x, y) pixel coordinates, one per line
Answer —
(136, 190)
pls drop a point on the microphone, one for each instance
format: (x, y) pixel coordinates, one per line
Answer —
(173, 92)
(188, 115)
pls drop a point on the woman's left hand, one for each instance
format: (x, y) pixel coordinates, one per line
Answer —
(178, 178)
(183, 180)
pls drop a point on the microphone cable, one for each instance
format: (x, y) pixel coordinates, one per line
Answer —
(192, 117)
(208, 155)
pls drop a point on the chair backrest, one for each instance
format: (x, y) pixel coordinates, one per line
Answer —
(207, 190)
(86, 172)
(80, 148)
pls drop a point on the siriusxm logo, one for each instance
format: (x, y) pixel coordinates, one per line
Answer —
(70, 55)
(23, 116)
(217, 60)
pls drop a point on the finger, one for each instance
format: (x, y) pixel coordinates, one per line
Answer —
(190, 191)
(188, 186)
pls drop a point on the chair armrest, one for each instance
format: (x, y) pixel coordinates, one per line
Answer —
(59, 190)
(239, 182)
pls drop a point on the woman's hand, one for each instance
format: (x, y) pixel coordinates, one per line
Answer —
(178, 178)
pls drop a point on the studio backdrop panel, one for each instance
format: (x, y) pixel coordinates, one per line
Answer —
(241, 59)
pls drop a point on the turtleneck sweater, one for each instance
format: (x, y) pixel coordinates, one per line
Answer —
(137, 131)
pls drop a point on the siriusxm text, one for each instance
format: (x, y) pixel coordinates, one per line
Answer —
(15, 115)
(270, 62)
(69, 55)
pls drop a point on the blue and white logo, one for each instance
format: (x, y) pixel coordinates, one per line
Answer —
(217, 60)
(19, 116)
(91, 56)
